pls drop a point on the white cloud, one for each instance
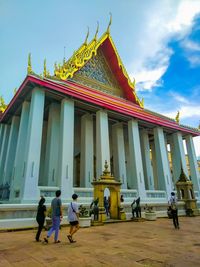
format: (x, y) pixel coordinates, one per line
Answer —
(194, 60)
(179, 98)
(184, 16)
(146, 79)
(190, 45)
(151, 55)
(192, 50)
(185, 112)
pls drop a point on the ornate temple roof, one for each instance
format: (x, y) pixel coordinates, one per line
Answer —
(95, 73)
(86, 52)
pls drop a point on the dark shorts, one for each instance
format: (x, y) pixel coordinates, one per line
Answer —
(74, 223)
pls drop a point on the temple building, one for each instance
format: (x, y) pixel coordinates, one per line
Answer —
(59, 129)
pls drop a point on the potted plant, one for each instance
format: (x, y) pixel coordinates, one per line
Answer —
(84, 217)
(150, 214)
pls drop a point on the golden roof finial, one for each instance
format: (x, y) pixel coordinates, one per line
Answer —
(15, 90)
(177, 118)
(110, 22)
(64, 57)
(97, 30)
(45, 68)
(3, 105)
(86, 38)
(29, 68)
(142, 102)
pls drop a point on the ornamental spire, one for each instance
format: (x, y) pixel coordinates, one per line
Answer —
(29, 68)
(45, 68)
(110, 22)
(86, 38)
(177, 118)
(97, 30)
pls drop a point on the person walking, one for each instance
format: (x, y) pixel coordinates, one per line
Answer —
(106, 205)
(174, 210)
(73, 218)
(40, 217)
(56, 206)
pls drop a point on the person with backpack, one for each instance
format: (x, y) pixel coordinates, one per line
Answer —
(73, 218)
(174, 210)
(40, 217)
(56, 206)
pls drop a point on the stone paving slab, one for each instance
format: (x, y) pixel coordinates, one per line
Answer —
(134, 244)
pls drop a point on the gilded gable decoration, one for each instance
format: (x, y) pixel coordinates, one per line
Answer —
(88, 52)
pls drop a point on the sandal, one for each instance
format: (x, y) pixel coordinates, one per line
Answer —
(70, 238)
(46, 240)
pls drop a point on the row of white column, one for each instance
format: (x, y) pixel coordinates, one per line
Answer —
(24, 154)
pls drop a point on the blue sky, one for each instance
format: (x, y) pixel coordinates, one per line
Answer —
(158, 41)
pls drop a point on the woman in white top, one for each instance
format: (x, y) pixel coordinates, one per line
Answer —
(73, 218)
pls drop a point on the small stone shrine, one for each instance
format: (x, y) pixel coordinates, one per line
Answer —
(185, 193)
(108, 181)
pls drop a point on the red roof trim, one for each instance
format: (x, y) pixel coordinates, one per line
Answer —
(101, 99)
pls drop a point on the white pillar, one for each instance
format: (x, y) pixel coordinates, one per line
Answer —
(42, 181)
(178, 155)
(4, 150)
(66, 148)
(148, 171)
(102, 142)
(11, 150)
(137, 174)
(19, 167)
(162, 161)
(170, 178)
(51, 158)
(30, 190)
(2, 126)
(154, 165)
(194, 172)
(87, 151)
(119, 154)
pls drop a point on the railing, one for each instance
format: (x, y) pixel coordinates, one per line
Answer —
(156, 194)
(129, 193)
(83, 192)
(48, 191)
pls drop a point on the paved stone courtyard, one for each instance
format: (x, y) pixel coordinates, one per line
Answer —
(115, 244)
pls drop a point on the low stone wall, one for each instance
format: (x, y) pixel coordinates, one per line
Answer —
(159, 208)
(18, 216)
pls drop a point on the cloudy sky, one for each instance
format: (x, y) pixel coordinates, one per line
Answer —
(158, 41)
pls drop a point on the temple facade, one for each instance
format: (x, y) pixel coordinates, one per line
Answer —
(58, 131)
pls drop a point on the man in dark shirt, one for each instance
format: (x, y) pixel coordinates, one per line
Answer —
(56, 206)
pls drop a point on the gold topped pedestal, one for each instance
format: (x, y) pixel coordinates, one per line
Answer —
(107, 180)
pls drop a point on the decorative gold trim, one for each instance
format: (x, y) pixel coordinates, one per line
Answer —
(85, 53)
